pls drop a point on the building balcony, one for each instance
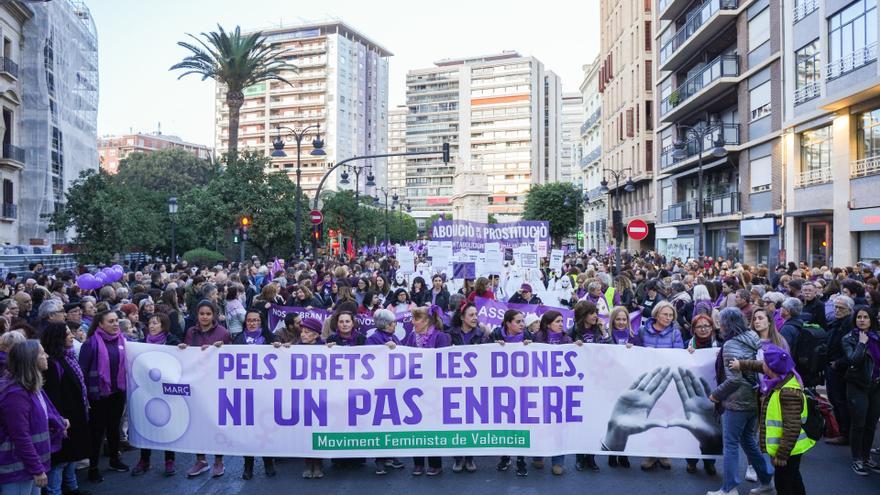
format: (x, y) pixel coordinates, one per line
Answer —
(591, 121)
(713, 206)
(808, 92)
(865, 167)
(13, 156)
(8, 67)
(728, 134)
(712, 80)
(848, 63)
(591, 157)
(813, 177)
(10, 211)
(670, 10)
(804, 8)
(704, 23)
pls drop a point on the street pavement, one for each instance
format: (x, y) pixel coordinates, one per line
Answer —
(826, 470)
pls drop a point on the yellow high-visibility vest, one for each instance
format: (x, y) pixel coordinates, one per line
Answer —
(774, 423)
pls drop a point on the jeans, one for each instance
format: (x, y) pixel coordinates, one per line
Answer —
(836, 386)
(864, 408)
(19, 488)
(738, 429)
(63, 474)
(788, 478)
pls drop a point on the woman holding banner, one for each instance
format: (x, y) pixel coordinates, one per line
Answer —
(466, 329)
(255, 334)
(551, 332)
(512, 330)
(205, 333)
(343, 332)
(311, 335)
(427, 333)
(705, 337)
(158, 333)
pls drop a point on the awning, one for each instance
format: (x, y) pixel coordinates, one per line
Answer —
(810, 213)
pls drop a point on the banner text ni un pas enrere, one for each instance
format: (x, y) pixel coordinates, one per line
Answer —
(371, 401)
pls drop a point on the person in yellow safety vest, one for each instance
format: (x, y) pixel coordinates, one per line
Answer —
(783, 412)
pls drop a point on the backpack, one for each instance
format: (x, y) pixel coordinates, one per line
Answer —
(814, 427)
(811, 351)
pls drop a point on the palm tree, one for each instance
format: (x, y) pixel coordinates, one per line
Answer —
(236, 61)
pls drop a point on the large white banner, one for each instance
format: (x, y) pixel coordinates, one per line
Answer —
(314, 401)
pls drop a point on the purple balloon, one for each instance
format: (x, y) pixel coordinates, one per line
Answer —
(118, 269)
(85, 281)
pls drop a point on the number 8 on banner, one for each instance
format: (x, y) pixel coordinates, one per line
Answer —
(157, 417)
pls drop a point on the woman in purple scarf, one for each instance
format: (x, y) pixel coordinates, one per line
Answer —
(551, 332)
(386, 324)
(512, 330)
(255, 334)
(102, 360)
(158, 333)
(862, 350)
(427, 334)
(342, 325)
(65, 386)
(311, 335)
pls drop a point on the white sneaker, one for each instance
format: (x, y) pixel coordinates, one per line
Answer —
(751, 475)
(733, 491)
(767, 489)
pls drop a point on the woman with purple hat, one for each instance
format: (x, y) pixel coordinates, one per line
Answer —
(862, 350)
(311, 335)
(783, 413)
(427, 334)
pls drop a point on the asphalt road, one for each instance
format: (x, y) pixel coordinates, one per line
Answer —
(826, 470)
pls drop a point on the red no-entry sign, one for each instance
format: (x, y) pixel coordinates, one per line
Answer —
(316, 217)
(637, 229)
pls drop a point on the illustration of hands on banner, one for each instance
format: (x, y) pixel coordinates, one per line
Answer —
(631, 412)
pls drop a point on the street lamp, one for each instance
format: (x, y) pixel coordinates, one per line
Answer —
(394, 199)
(370, 182)
(172, 213)
(699, 134)
(616, 215)
(278, 152)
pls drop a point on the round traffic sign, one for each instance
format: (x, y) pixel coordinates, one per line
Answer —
(637, 229)
(316, 217)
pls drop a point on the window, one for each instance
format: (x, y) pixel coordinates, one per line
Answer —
(807, 61)
(759, 101)
(869, 134)
(759, 29)
(852, 37)
(816, 149)
(647, 36)
(760, 174)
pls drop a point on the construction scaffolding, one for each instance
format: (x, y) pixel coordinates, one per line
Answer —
(60, 110)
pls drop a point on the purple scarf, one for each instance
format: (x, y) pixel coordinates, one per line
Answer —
(349, 341)
(512, 338)
(874, 352)
(427, 339)
(73, 363)
(157, 339)
(101, 337)
(554, 338)
(255, 337)
(768, 384)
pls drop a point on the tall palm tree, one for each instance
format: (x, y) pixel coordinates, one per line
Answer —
(237, 62)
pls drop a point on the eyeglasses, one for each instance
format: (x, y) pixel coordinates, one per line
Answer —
(842, 308)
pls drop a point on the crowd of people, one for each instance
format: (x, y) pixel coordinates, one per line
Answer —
(782, 333)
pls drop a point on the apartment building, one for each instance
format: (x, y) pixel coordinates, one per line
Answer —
(719, 120)
(832, 131)
(13, 16)
(397, 144)
(500, 111)
(626, 83)
(59, 81)
(112, 149)
(571, 119)
(596, 206)
(341, 85)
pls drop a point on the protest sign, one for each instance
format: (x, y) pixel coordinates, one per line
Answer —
(474, 235)
(372, 401)
(406, 259)
(556, 257)
(464, 270)
(529, 260)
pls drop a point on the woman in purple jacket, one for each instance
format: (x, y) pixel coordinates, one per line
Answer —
(28, 421)
(427, 334)
(102, 360)
(551, 331)
(660, 332)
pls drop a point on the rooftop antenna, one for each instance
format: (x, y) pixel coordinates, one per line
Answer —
(159, 129)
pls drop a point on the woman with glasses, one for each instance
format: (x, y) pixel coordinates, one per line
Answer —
(705, 337)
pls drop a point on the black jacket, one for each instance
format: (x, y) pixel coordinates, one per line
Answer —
(814, 312)
(458, 338)
(359, 339)
(64, 390)
(423, 297)
(836, 331)
(861, 365)
(496, 335)
(441, 300)
(518, 299)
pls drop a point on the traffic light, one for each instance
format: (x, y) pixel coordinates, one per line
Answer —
(245, 221)
(445, 152)
(317, 234)
(580, 235)
(235, 236)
